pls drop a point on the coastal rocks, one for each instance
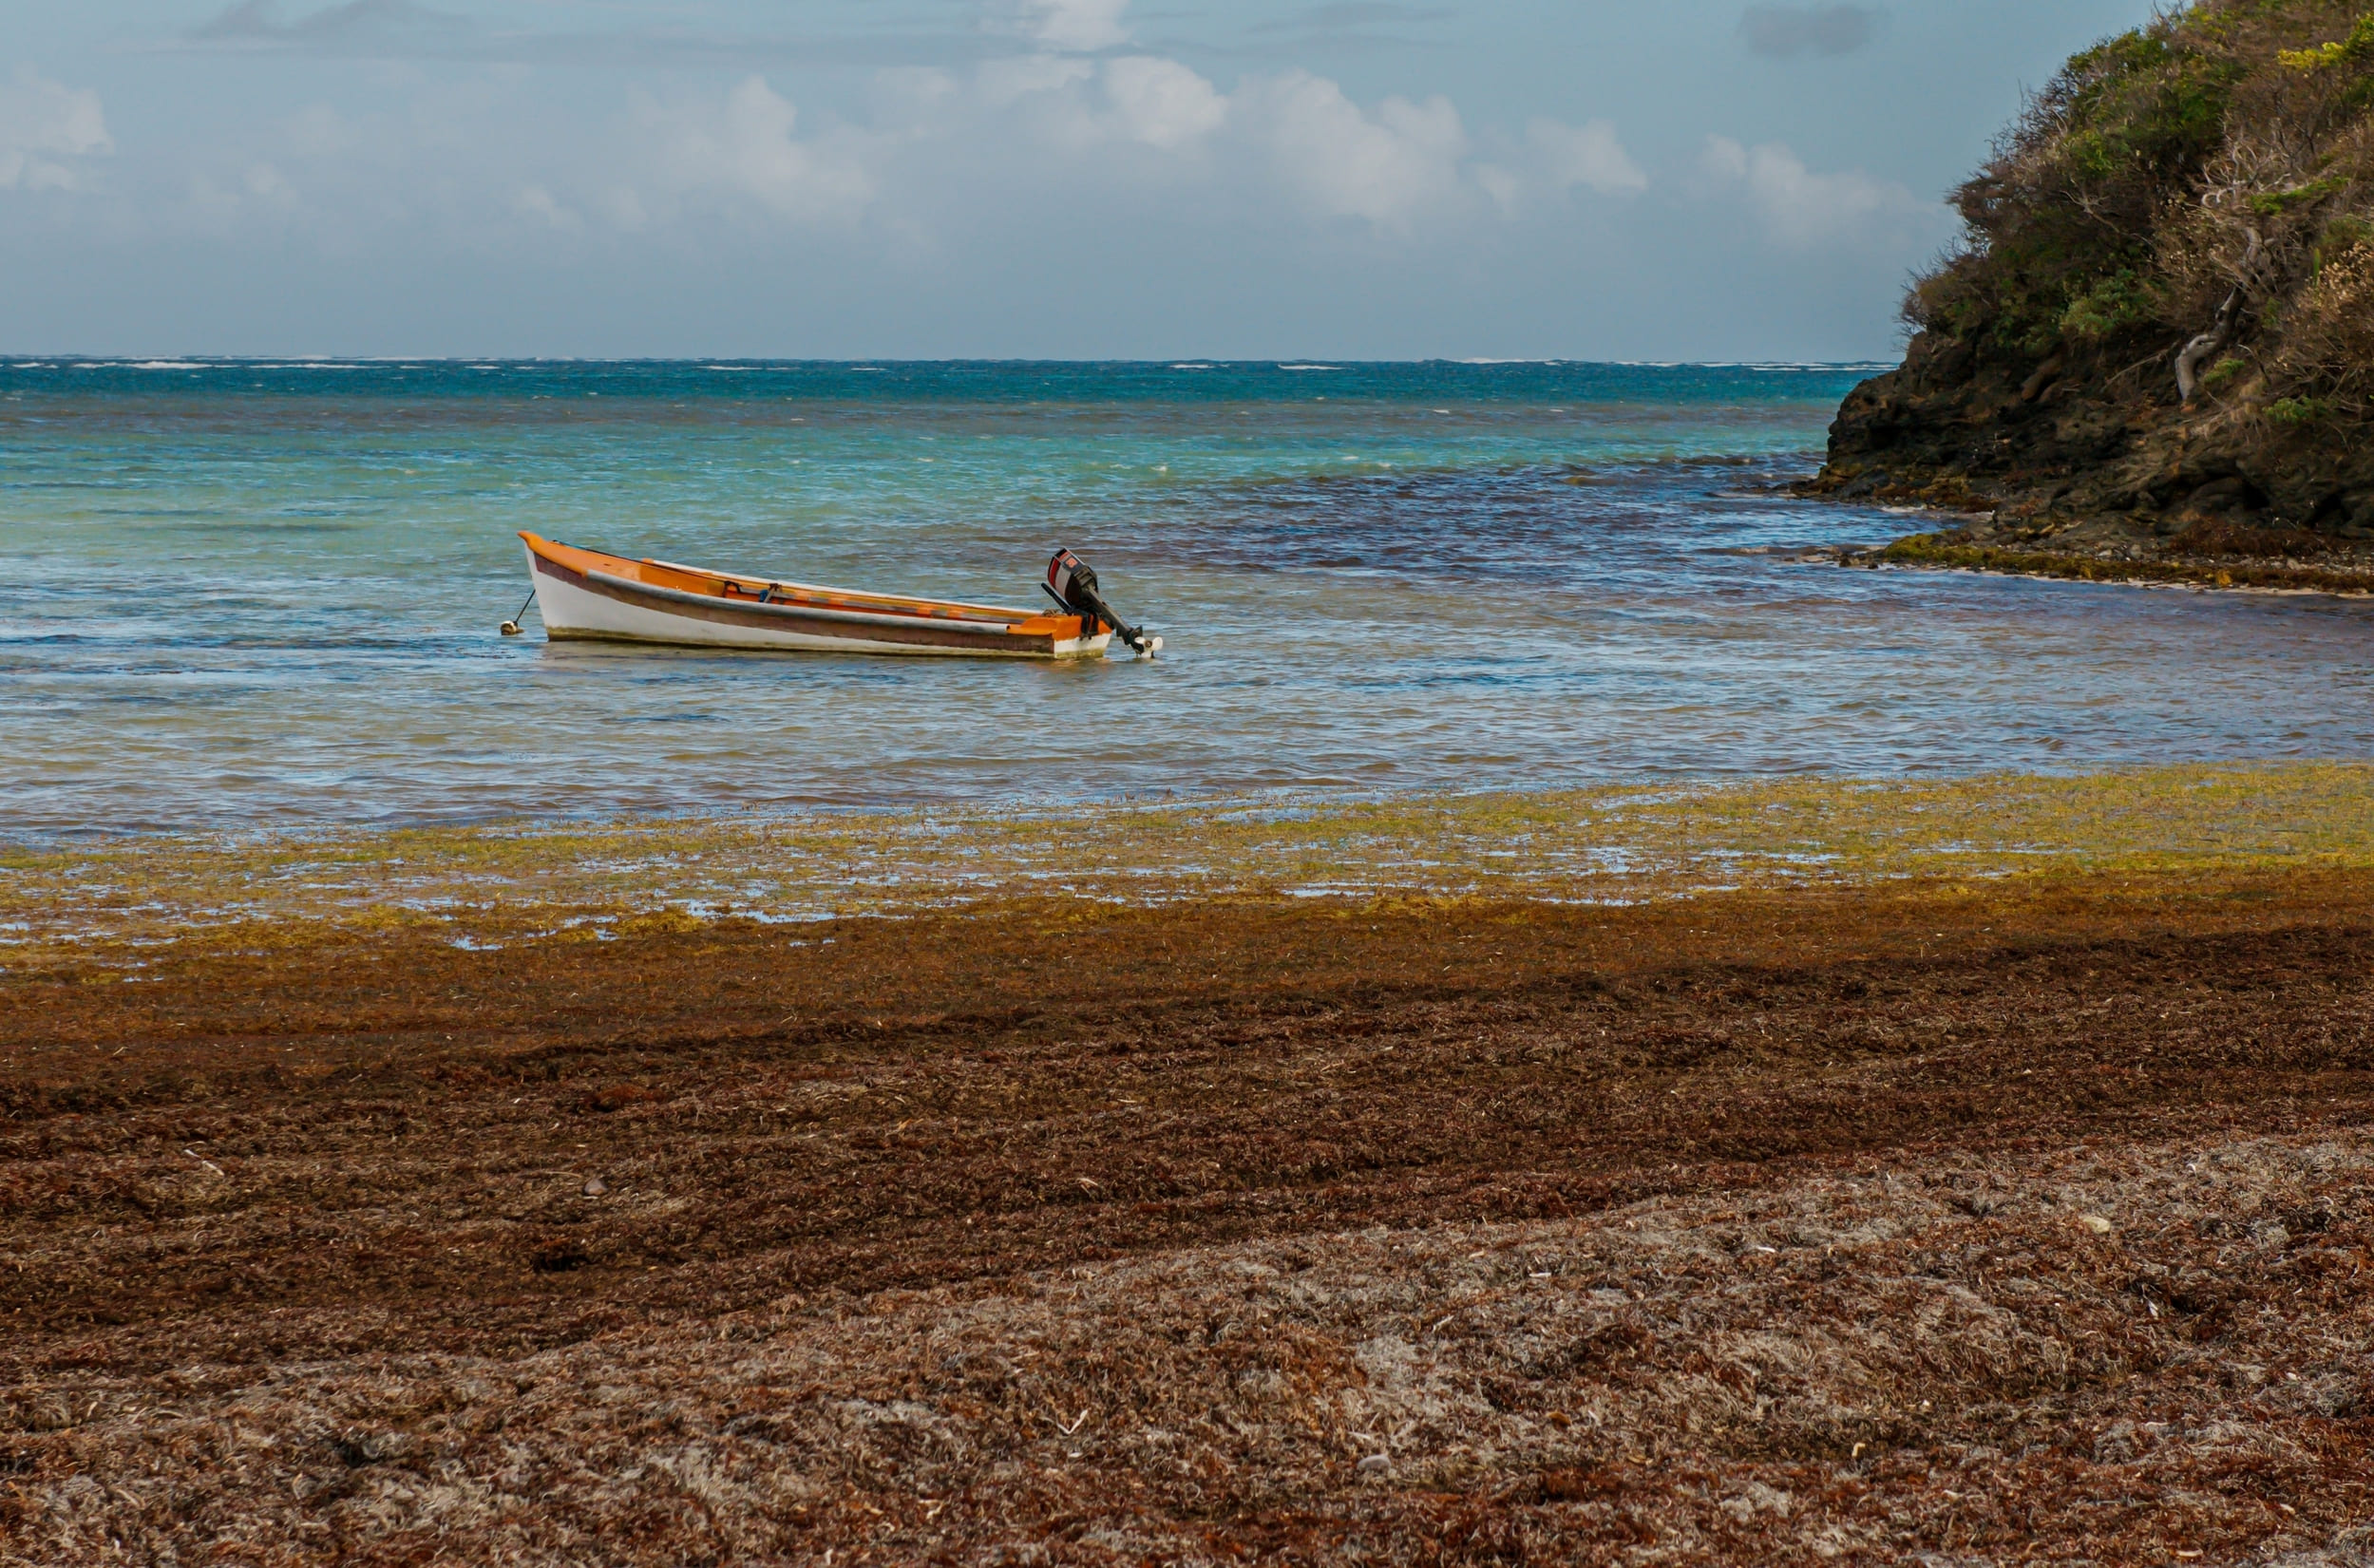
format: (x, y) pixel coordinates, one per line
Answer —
(2059, 459)
(2358, 513)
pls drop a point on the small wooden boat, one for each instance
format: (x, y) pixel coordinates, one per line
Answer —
(585, 594)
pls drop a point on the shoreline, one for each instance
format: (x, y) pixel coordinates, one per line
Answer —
(1946, 552)
(124, 901)
(1983, 536)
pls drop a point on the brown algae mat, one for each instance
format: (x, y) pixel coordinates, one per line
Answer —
(1938, 1218)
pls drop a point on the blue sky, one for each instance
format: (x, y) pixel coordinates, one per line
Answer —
(1064, 178)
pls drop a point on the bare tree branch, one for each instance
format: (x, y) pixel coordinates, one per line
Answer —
(2194, 354)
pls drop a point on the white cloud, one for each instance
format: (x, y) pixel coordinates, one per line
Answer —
(1503, 186)
(1295, 133)
(1162, 102)
(911, 94)
(538, 204)
(42, 124)
(929, 152)
(1344, 161)
(1556, 159)
(624, 206)
(1800, 208)
(1589, 155)
(748, 149)
(1076, 26)
(267, 184)
(318, 131)
(1004, 83)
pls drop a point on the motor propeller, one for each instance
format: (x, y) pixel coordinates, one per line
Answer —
(1071, 583)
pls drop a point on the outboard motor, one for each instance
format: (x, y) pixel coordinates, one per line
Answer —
(1071, 583)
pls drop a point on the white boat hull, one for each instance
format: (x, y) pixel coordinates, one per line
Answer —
(595, 607)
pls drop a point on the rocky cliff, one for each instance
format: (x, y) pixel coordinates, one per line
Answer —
(2155, 345)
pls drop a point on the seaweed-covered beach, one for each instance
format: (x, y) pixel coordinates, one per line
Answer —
(1891, 1196)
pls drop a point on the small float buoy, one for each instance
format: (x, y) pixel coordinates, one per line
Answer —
(510, 629)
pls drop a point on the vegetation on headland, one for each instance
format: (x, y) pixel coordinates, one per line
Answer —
(2157, 342)
(1612, 844)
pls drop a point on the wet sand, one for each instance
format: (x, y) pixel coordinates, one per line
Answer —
(2026, 1218)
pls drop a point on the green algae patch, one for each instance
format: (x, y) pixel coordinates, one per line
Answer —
(1614, 845)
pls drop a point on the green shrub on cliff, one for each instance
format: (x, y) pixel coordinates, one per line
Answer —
(2198, 192)
(2358, 46)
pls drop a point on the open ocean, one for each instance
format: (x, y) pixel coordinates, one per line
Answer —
(250, 594)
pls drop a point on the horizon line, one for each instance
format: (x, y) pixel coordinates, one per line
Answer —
(22, 359)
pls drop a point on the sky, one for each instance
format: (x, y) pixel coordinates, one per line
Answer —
(1677, 180)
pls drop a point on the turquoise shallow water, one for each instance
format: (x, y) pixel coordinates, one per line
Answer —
(237, 593)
